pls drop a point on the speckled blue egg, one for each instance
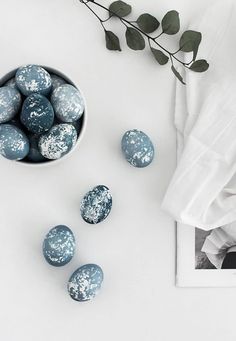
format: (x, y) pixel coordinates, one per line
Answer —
(10, 102)
(137, 148)
(59, 246)
(37, 114)
(60, 139)
(33, 79)
(14, 145)
(57, 81)
(34, 154)
(68, 103)
(85, 283)
(96, 205)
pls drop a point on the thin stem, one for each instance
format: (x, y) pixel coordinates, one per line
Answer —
(105, 20)
(123, 22)
(158, 35)
(101, 21)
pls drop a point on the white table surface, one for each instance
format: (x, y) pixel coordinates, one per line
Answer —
(136, 244)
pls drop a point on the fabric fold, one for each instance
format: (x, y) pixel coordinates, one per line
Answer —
(202, 192)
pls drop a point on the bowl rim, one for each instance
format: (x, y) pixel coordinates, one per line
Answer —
(84, 116)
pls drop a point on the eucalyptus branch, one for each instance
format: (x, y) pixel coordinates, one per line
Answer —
(137, 30)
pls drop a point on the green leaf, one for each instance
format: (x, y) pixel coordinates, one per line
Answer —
(200, 65)
(112, 41)
(160, 57)
(190, 41)
(120, 8)
(177, 74)
(170, 23)
(147, 23)
(134, 39)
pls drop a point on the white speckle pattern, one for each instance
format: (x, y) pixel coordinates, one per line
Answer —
(10, 102)
(96, 205)
(14, 144)
(60, 139)
(68, 103)
(37, 114)
(137, 148)
(59, 246)
(33, 79)
(85, 282)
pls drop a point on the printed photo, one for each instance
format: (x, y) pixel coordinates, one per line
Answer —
(216, 249)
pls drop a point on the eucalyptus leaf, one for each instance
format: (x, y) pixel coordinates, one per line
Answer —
(112, 41)
(134, 39)
(190, 41)
(200, 65)
(120, 8)
(160, 57)
(147, 23)
(177, 74)
(170, 23)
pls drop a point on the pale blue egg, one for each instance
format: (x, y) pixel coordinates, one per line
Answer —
(37, 114)
(137, 148)
(33, 79)
(58, 141)
(10, 102)
(96, 205)
(59, 246)
(68, 103)
(14, 144)
(85, 283)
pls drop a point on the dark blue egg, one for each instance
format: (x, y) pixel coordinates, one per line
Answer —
(32, 79)
(10, 102)
(137, 148)
(68, 103)
(57, 81)
(34, 154)
(37, 114)
(14, 145)
(59, 246)
(85, 282)
(96, 205)
(58, 141)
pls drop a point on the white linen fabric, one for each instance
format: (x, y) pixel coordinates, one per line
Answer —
(202, 192)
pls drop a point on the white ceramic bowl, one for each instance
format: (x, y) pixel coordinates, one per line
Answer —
(10, 75)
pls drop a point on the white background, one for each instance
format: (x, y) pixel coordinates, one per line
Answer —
(135, 246)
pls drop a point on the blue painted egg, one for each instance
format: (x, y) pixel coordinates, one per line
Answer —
(14, 145)
(58, 141)
(33, 79)
(85, 282)
(137, 148)
(57, 81)
(59, 246)
(68, 103)
(34, 154)
(10, 102)
(96, 205)
(37, 114)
